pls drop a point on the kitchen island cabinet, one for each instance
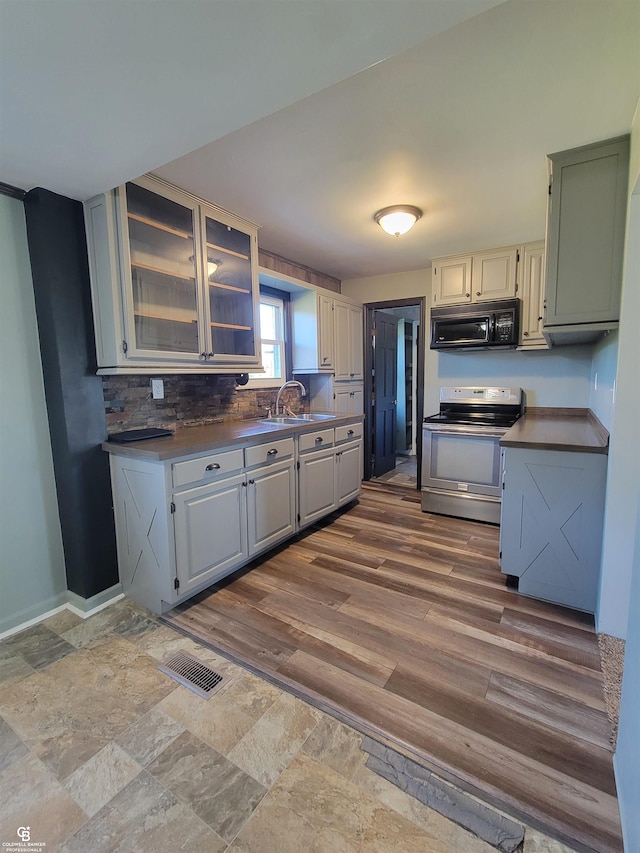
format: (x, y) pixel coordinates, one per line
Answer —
(554, 478)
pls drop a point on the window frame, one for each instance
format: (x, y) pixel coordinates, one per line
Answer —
(271, 295)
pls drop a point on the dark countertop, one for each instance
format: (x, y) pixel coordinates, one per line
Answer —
(191, 441)
(575, 430)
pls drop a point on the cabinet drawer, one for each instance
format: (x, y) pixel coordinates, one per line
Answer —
(315, 440)
(270, 451)
(211, 467)
(349, 432)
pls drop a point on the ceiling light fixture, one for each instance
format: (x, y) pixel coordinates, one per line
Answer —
(398, 219)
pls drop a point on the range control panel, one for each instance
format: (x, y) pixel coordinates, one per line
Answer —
(479, 394)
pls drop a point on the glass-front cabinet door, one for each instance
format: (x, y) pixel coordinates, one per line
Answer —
(164, 315)
(230, 288)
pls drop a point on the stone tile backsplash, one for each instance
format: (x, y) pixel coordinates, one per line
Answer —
(189, 400)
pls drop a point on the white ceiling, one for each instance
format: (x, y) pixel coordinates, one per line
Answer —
(294, 122)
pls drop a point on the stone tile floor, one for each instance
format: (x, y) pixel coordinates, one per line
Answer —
(101, 752)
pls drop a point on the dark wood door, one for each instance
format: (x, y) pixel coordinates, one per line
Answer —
(385, 383)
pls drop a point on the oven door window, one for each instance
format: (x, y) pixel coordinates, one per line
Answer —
(464, 462)
(467, 331)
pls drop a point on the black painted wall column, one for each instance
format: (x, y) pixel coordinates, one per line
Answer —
(75, 405)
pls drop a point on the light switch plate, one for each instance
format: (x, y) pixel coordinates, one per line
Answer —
(157, 389)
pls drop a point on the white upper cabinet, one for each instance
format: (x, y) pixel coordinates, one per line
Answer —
(451, 281)
(313, 332)
(533, 260)
(482, 277)
(348, 342)
(494, 275)
(327, 335)
(174, 282)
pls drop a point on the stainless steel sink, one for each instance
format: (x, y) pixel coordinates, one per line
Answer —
(306, 417)
(315, 416)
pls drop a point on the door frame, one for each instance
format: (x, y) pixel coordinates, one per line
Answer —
(369, 419)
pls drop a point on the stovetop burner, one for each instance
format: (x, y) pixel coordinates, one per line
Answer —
(478, 406)
(475, 418)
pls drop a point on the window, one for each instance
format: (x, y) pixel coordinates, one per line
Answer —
(272, 337)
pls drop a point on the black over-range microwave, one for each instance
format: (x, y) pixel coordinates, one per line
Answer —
(481, 325)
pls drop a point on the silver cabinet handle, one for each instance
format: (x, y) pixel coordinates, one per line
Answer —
(272, 452)
(319, 440)
(213, 467)
(349, 432)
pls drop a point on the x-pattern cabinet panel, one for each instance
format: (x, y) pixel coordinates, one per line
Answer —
(551, 523)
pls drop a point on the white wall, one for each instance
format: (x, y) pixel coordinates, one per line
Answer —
(604, 367)
(32, 573)
(622, 494)
(627, 757)
(623, 481)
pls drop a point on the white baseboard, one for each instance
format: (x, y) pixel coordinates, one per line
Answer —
(82, 607)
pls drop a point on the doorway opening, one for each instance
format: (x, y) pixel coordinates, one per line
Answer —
(394, 389)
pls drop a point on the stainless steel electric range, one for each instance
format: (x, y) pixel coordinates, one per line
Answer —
(461, 457)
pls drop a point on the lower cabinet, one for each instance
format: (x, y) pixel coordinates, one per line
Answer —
(210, 532)
(329, 477)
(348, 472)
(183, 525)
(316, 484)
(551, 524)
(271, 506)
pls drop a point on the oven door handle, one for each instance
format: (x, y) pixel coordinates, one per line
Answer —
(488, 433)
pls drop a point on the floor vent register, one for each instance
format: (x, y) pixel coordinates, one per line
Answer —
(192, 673)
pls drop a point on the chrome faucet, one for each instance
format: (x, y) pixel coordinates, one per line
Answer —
(286, 385)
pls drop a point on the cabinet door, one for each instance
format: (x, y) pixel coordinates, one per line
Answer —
(313, 333)
(348, 342)
(493, 275)
(230, 291)
(585, 233)
(160, 271)
(348, 472)
(210, 532)
(316, 485)
(451, 281)
(349, 399)
(551, 524)
(532, 296)
(356, 354)
(342, 328)
(271, 506)
(326, 332)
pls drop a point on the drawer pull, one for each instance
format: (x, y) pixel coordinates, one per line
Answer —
(319, 440)
(349, 432)
(272, 452)
(212, 467)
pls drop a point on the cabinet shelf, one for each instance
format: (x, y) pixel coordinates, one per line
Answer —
(231, 326)
(161, 271)
(235, 289)
(159, 225)
(149, 315)
(228, 251)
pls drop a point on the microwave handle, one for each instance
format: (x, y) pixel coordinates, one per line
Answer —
(492, 327)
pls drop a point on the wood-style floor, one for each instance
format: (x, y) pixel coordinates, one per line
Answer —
(399, 622)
